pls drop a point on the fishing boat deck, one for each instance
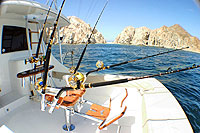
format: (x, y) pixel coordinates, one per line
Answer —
(150, 107)
(29, 118)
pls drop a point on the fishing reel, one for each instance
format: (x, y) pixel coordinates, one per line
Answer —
(76, 81)
(39, 84)
(99, 64)
(72, 69)
(33, 59)
(41, 59)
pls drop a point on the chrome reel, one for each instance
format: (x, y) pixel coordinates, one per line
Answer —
(99, 64)
(76, 80)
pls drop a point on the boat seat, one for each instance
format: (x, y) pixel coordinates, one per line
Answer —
(70, 98)
(98, 111)
(110, 114)
(67, 101)
(102, 114)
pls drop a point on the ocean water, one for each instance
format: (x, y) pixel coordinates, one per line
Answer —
(185, 86)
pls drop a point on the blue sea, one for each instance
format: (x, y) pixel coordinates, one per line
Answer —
(185, 86)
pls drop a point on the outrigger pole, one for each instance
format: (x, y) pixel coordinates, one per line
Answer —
(126, 62)
(47, 58)
(88, 42)
(43, 28)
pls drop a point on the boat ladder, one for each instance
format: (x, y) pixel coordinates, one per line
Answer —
(34, 35)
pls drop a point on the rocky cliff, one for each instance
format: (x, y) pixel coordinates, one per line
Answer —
(77, 33)
(168, 37)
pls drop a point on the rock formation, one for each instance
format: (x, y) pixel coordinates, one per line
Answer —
(168, 37)
(77, 33)
(126, 36)
(141, 36)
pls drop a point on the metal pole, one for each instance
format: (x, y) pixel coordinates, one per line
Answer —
(68, 126)
(61, 59)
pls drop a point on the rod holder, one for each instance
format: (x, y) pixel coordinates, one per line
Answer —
(43, 106)
(68, 126)
(53, 105)
(23, 82)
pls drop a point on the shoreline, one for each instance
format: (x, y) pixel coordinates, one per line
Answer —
(189, 50)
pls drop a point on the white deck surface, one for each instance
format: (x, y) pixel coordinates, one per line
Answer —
(151, 108)
(30, 119)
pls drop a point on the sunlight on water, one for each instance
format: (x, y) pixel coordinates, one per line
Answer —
(185, 86)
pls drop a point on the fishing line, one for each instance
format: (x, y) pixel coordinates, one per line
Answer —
(81, 57)
(79, 8)
(91, 9)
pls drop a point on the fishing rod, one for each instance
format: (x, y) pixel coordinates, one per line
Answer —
(80, 59)
(56, 98)
(197, 2)
(91, 85)
(79, 62)
(47, 58)
(105, 83)
(43, 28)
(101, 67)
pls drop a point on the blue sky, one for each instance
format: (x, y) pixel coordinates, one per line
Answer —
(122, 13)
